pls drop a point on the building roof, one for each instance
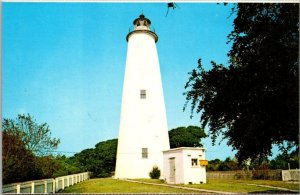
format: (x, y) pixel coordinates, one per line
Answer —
(185, 148)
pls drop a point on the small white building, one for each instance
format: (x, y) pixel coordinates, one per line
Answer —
(185, 165)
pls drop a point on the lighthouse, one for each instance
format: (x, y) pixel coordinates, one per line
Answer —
(143, 131)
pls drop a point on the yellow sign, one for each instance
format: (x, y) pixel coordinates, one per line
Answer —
(203, 162)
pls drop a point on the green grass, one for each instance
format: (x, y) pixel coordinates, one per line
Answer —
(108, 185)
(282, 184)
(240, 186)
(158, 181)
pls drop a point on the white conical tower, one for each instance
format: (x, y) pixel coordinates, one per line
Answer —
(143, 133)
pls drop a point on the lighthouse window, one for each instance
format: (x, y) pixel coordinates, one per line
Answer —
(144, 152)
(143, 94)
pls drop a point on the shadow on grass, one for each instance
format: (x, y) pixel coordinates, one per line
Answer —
(273, 192)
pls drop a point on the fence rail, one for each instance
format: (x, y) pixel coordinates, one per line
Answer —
(290, 175)
(46, 185)
(244, 174)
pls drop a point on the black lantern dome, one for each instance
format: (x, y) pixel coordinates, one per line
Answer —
(142, 24)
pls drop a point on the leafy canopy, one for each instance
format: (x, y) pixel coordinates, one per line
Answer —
(36, 137)
(254, 102)
(186, 137)
(100, 160)
(18, 162)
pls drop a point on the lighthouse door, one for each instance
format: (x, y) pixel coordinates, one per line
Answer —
(172, 170)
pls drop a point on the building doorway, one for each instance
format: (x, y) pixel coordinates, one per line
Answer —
(172, 170)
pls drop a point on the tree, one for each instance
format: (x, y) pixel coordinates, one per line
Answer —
(47, 166)
(213, 165)
(37, 138)
(254, 102)
(100, 160)
(107, 151)
(62, 165)
(18, 162)
(228, 165)
(186, 137)
(286, 160)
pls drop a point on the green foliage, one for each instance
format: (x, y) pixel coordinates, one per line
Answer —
(65, 166)
(154, 173)
(25, 145)
(101, 160)
(227, 165)
(18, 162)
(284, 160)
(213, 165)
(254, 102)
(261, 165)
(186, 137)
(37, 138)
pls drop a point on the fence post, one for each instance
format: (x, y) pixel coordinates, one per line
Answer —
(45, 187)
(63, 183)
(56, 185)
(32, 187)
(18, 187)
(53, 185)
(68, 181)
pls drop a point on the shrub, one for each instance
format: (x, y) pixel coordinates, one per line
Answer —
(154, 173)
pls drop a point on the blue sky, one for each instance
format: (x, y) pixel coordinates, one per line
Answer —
(64, 63)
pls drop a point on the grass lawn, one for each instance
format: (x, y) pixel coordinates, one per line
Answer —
(240, 186)
(282, 184)
(108, 185)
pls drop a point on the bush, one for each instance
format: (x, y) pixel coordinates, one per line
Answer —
(154, 173)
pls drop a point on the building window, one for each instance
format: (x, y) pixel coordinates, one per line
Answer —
(194, 162)
(143, 94)
(144, 152)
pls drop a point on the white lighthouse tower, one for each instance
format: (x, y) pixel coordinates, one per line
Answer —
(143, 133)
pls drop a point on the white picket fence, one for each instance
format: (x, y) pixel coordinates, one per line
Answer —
(291, 175)
(46, 186)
